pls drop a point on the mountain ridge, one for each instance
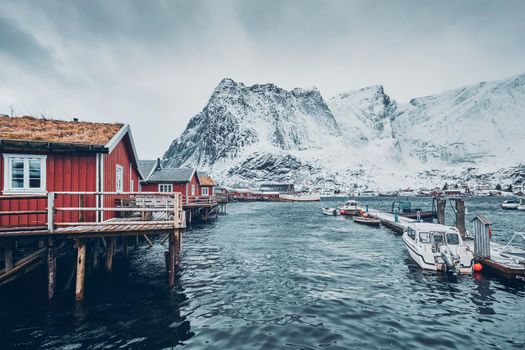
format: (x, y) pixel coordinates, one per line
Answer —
(248, 134)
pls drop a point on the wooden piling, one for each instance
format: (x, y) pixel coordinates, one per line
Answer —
(8, 254)
(125, 246)
(81, 270)
(460, 217)
(171, 260)
(440, 207)
(95, 260)
(51, 267)
(110, 250)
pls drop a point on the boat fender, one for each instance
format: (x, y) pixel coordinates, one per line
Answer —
(490, 232)
(478, 267)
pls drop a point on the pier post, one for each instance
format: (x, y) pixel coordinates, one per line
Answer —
(51, 267)
(110, 249)
(8, 254)
(440, 208)
(81, 270)
(96, 253)
(171, 260)
(125, 246)
(460, 216)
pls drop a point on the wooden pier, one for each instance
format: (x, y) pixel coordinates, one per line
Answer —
(69, 218)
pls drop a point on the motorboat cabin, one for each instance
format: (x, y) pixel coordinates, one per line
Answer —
(350, 208)
(438, 248)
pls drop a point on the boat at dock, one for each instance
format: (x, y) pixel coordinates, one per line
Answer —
(299, 197)
(511, 204)
(405, 209)
(331, 211)
(350, 208)
(438, 248)
(367, 221)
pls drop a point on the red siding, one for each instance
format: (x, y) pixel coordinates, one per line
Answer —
(184, 188)
(73, 172)
(122, 155)
(62, 174)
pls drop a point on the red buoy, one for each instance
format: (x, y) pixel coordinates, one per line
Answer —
(478, 267)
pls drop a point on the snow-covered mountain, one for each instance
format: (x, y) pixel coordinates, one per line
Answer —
(251, 134)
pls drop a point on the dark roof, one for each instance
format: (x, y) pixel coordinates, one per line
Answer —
(171, 175)
(146, 166)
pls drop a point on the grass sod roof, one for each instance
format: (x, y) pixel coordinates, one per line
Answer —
(206, 180)
(56, 131)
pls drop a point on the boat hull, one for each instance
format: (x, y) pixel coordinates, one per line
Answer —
(367, 221)
(349, 212)
(293, 198)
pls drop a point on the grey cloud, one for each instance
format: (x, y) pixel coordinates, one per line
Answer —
(21, 47)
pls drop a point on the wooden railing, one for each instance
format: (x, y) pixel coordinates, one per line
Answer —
(199, 200)
(108, 203)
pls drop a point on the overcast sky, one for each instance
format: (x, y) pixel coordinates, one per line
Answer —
(154, 64)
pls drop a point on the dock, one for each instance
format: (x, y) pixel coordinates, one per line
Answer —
(91, 223)
(496, 258)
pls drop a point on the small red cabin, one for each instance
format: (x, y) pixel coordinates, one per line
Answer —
(166, 179)
(207, 185)
(38, 156)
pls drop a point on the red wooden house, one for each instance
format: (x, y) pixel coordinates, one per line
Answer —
(207, 185)
(166, 179)
(38, 156)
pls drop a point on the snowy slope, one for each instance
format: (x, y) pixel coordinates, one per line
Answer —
(251, 134)
(478, 125)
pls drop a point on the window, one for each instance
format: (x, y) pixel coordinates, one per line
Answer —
(131, 185)
(452, 238)
(120, 178)
(193, 190)
(411, 233)
(424, 237)
(24, 173)
(165, 188)
(205, 191)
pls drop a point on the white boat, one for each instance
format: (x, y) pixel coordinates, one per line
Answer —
(350, 208)
(438, 248)
(330, 211)
(511, 204)
(299, 197)
(522, 205)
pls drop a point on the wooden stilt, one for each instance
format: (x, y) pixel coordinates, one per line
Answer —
(136, 243)
(95, 262)
(460, 217)
(51, 267)
(148, 240)
(110, 250)
(8, 254)
(81, 269)
(171, 260)
(125, 246)
(441, 210)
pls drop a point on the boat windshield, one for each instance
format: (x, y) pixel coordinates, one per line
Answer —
(437, 238)
(452, 238)
(424, 237)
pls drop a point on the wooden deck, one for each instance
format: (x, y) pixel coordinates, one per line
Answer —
(77, 217)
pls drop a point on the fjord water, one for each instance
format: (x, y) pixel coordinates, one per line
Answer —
(277, 276)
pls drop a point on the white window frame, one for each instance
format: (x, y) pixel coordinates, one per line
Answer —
(25, 158)
(117, 168)
(205, 191)
(165, 188)
(193, 190)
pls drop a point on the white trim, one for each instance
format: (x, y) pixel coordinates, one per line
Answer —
(117, 168)
(119, 136)
(25, 158)
(170, 187)
(102, 179)
(207, 191)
